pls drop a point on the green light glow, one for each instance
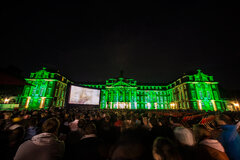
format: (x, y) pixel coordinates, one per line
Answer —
(198, 91)
(46, 90)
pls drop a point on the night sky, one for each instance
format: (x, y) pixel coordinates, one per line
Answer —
(150, 42)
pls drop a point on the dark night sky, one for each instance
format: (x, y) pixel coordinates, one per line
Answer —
(151, 42)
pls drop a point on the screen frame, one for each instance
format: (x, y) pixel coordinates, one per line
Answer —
(68, 94)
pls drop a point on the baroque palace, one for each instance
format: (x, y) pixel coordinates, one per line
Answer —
(198, 91)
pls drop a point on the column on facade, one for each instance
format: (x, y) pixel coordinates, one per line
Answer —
(183, 98)
(109, 99)
(27, 102)
(124, 98)
(135, 99)
(112, 98)
(117, 98)
(42, 102)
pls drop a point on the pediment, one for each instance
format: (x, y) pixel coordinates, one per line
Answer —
(121, 83)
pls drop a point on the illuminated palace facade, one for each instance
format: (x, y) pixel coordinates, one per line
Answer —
(198, 91)
(45, 89)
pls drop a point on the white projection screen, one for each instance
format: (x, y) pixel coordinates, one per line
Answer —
(84, 96)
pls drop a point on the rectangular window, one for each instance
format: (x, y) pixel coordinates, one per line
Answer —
(195, 105)
(49, 92)
(52, 75)
(24, 102)
(39, 101)
(215, 94)
(46, 103)
(161, 98)
(41, 92)
(33, 91)
(56, 92)
(201, 94)
(193, 94)
(186, 95)
(26, 91)
(208, 95)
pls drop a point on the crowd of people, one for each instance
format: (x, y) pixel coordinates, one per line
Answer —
(60, 133)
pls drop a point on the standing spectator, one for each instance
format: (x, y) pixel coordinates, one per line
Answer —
(15, 135)
(44, 145)
(163, 148)
(229, 138)
(88, 148)
(32, 129)
(207, 147)
(74, 125)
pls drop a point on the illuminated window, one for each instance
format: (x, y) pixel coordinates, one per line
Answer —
(56, 92)
(41, 92)
(33, 91)
(26, 91)
(193, 94)
(39, 101)
(201, 94)
(32, 75)
(208, 95)
(24, 102)
(211, 78)
(215, 94)
(186, 95)
(52, 75)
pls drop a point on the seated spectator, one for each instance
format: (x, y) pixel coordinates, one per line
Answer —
(44, 145)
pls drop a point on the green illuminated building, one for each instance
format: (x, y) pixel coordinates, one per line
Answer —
(198, 91)
(46, 89)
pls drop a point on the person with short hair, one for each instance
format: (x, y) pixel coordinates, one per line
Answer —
(89, 146)
(74, 124)
(44, 145)
(208, 147)
(164, 148)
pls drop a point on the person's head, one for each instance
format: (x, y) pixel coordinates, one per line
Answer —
(201, 132)
(32, 122)
(107, 118)
(184, 136)
(90, 128)
(77, 116)
(81, 123)
(51, 125)
(133, 144)
(7, 115)
(153, 122)
(224, 119)
(165, 149)
(15, 134)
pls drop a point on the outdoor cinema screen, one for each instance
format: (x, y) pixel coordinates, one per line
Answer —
(82, 95)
